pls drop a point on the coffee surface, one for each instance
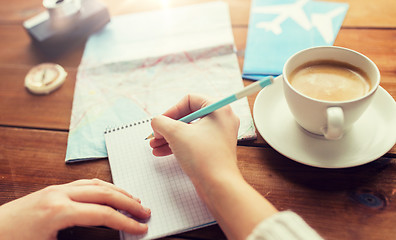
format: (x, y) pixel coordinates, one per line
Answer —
(330, 81)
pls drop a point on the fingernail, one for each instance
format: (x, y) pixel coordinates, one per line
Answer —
(148, 210)
(144, 226)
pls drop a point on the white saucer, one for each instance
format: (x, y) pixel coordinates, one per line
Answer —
(372, 135)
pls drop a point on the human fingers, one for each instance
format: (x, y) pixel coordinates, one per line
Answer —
(167, 127)
(108, 196)
(158, 142)
(98, 182)
(160, 147)
(190, 103)
(161, 151)
(86, 214)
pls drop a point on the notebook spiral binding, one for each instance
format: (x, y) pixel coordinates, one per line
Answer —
(113, 129)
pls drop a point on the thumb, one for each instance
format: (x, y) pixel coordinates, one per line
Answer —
(165, 127)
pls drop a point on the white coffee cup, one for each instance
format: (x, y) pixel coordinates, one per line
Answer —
(332, 119)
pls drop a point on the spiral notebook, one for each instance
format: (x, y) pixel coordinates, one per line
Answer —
(158, 181)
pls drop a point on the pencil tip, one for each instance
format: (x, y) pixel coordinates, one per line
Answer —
(149, 137)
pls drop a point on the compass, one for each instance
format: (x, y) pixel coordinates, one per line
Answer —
(45, 78)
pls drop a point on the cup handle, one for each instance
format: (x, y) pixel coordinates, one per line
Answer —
(335, 123)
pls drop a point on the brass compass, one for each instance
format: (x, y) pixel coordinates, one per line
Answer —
(45, 78)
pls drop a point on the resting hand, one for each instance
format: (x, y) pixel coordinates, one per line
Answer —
(42, 214)
(203, 148)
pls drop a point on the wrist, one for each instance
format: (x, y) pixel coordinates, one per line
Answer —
(213, 186)
(228, 197)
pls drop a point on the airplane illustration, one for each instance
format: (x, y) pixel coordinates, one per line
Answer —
(285, 11)
(294, 11)
(323, 22)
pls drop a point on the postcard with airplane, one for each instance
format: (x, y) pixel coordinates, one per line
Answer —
(280, 28)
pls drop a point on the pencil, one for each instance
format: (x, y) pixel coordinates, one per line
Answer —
(249, 90)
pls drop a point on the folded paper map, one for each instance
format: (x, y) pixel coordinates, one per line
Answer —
(141, 64)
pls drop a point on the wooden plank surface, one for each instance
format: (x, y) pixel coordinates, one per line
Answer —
(33, 159)
(377, 44)
(361, 13)
(352, 203)
(20, 108)
(339, 204)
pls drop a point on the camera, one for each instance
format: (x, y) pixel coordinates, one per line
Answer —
(65, 24)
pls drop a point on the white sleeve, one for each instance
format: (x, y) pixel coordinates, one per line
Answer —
(283, 225)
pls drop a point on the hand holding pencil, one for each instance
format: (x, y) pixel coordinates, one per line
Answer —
(207, 152)
(191, 143)
(252, 88)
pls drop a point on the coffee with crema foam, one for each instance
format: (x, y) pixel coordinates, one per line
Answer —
(330, 81)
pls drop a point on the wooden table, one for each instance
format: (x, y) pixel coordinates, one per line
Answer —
(352, 203)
